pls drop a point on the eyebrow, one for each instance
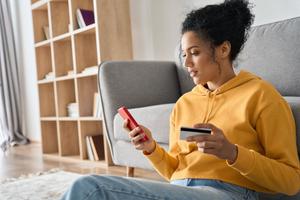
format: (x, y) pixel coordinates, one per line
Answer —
(195, 46)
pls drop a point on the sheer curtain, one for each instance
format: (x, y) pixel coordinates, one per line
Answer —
(11, 115)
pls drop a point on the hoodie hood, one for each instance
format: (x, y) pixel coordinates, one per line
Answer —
(242, 78)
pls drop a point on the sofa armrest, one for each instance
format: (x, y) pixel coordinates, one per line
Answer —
(135, 84)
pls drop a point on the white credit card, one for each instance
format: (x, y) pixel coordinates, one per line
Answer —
(188, 131)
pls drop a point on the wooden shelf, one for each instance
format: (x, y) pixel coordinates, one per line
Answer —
(59, 17)
(82, 75)
(45, 81)
(83, 4)
(43, 61)
(40, 20)
(47, 100)
(48, 118)
(69, 143)
(65, 96)
(87, 87)
(68, 118)
(43, 43)
(86, 30)
(39, 4)
(61, 58)
(88, 128)
(49, 137)
(64, 36)
(85, 42)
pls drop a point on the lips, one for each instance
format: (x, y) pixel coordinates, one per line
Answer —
(193, 73)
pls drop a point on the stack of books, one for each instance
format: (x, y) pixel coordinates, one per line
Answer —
(73, 110)
(70, 73)
(95, 147)
(49, 76)
(90, 70)
(84, 17)
(97, 107)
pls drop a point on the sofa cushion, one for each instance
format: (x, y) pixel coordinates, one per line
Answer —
(272, 52)
(294, 103)
(126, 155)
(156, 118)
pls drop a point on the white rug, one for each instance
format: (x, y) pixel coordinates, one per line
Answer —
(45, 185)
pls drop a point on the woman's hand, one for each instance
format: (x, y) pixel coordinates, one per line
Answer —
(136, 138)
(215, 144)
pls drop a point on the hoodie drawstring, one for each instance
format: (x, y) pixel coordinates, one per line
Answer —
(209, 106)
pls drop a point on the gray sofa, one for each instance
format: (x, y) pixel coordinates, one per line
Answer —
(150, 88)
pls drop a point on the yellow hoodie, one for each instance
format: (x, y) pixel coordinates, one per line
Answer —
(252, 115)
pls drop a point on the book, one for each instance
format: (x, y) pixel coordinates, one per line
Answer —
(90, 70)
(46, 32)
(72, 109)
(49, 76)
(97, 106)
(84, 17)
(90, 153)
(97, 146)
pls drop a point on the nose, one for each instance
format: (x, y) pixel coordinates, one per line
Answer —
(187, 61)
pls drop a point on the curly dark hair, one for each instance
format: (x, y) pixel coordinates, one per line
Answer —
(228, 21)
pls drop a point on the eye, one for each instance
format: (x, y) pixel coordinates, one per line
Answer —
(183, 55)
(195, 53)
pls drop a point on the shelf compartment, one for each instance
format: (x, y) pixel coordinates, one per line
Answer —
(43, 61)
(65, 95)
(47, 100)
(40, 20)
(49, 137)
(85, 50)
(87, 87)
(87, 5)
(69, 141)
(59, 17)
(63, 57)
(89, 128)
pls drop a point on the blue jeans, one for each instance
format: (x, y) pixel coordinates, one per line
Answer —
(95, 187)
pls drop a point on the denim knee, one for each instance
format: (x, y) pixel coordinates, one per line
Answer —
(83, 182)
(81, 188)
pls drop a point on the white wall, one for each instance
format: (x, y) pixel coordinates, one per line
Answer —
(155, 29)
(167, 16)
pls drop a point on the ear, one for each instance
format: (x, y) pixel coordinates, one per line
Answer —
(225, 49)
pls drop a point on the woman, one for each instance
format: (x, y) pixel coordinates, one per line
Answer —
(245, 153)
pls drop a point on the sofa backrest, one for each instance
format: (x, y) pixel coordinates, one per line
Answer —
(272, 52)
(185, 81)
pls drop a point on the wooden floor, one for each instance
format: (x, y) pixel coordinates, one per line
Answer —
(22, 160)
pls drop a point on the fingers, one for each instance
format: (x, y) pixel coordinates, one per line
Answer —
(200, 138)
(125, 123)
(206, 125)
(136, 136)
(214, 130)
(206, 145)
(134, 132)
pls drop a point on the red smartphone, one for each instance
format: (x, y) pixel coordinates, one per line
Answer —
(125, 114)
